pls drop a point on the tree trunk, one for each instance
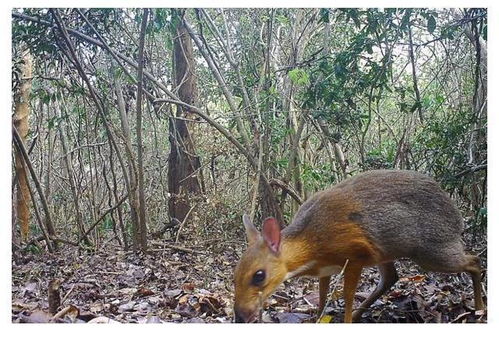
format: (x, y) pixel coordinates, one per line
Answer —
(115, 194)
(184, 166)
(140, 161)
(21, 115)
(132, 185)
(72, 183)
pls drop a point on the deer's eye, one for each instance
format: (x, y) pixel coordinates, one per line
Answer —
(258, 278)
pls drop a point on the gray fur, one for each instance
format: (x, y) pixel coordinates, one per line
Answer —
(405, 213)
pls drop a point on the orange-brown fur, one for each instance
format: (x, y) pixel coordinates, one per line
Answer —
(345, 239)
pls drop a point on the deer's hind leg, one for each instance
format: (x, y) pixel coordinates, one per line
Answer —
(473, 268)
(452, 259)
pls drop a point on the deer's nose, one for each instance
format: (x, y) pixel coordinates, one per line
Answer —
(241, 316)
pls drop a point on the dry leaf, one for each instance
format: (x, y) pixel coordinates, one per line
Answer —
(188, 287)
(143, 292)
(286, 317)
(325, 319)
(102, 320)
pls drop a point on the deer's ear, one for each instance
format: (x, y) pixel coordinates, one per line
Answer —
(272, 234)
(251, 231)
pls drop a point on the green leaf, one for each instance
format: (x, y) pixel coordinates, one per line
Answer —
(282, 163)
(404, 24)
(51, 122)
(299, 77)
(483, 211)
(432, 24)
(369, 49)
(439, 99)
(324, 15)
(283, 20)
(354, 15)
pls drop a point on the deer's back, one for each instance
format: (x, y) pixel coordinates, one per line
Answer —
(404, 213)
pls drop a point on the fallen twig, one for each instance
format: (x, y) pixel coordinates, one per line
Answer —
(67, 294)
(65, 311)
(183, 223)
(179, 248)
(338, 277)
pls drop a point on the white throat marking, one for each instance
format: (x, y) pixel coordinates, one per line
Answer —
(300, 269)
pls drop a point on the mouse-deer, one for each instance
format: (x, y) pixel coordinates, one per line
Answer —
(370, 219)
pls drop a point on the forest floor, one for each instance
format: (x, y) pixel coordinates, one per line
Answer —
(195, 285)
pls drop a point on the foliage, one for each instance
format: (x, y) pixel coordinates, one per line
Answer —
(343, 75)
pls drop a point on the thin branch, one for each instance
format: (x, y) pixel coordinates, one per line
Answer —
(178, 248)
(414, 77)
(109, 210)
(338, 278)
(471, 170)
(288, 189)
(183, 223)
(38, 217)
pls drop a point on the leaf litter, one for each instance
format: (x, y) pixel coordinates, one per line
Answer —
(171, 285)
